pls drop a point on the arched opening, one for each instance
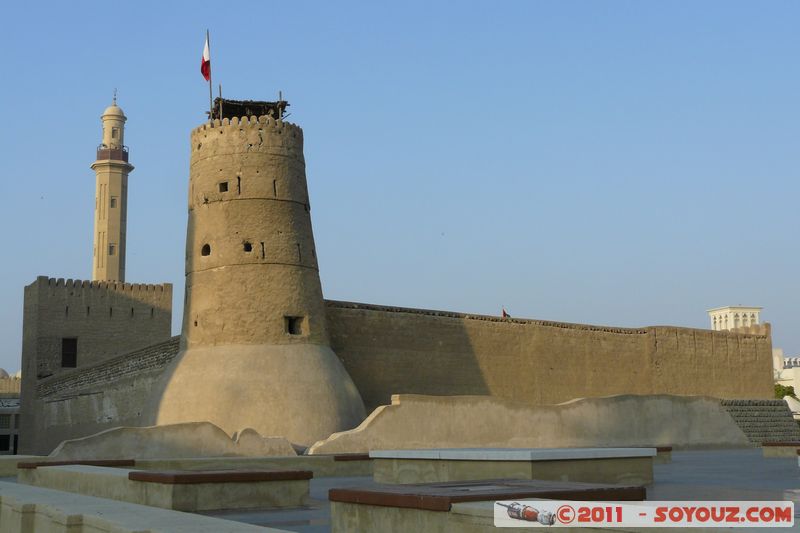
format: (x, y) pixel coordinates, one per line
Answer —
(206, 250)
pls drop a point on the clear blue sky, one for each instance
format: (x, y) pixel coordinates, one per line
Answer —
(622, 163)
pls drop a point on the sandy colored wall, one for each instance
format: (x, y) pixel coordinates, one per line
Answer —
(389, 350)
(108, 319)
(86, 401)
(400, 351)
(413, 421)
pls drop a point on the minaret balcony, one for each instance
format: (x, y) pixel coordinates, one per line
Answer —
(115, 154)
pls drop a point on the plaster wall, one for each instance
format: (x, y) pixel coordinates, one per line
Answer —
(391, 350)
(107, 319)
(420, 422)
(88, 400)
(250, 255)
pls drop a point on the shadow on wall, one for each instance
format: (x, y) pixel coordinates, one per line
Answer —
(387, 352)
(395, 350)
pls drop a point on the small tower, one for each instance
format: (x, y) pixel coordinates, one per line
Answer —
(255, 350)
(111, 198)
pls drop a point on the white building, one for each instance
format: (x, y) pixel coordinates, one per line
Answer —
(734, 316)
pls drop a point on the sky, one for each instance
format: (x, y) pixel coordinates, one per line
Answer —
(620, 163)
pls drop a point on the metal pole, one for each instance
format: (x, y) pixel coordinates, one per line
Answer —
(210, 90)
(220, 101)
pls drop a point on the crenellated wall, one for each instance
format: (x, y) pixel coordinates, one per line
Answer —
(106, 318)
(392, 350)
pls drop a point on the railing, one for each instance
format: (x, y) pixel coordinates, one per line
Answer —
(116, 154)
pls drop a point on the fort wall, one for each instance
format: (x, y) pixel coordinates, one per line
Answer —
(104, 319)
(107, 318)
(108, 394)
(391, 350)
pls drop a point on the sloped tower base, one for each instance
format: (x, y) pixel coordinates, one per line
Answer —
(301, 392)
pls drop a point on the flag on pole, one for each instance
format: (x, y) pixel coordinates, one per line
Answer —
(505, 314)
(205, 63)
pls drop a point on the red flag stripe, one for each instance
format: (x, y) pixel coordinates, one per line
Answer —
(205, 62)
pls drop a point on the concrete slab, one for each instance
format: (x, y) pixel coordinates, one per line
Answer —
(741, 474)
(513, 454)
(8, 463)
(341, 465)
(193, 491)
(27, 509)
(597, 465)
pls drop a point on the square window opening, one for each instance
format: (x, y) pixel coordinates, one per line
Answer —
(223, 187)
(294, 325)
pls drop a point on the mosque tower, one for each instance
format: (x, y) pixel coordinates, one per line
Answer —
(111, 198)
(255, 350)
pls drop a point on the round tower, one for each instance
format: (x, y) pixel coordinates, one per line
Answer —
(254, 347)
(111, 198)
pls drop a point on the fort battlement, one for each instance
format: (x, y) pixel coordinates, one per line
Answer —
(78, 284)
(762, 331)
(486, 318)
(263, 121)
(247, 134)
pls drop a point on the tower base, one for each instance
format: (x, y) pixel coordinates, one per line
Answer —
(301, 392)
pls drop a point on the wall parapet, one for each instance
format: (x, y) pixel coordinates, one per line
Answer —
(262, 121)
(45, 281)
(129, 364)
(486, 318)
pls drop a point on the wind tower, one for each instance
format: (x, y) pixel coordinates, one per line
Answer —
(111, 198)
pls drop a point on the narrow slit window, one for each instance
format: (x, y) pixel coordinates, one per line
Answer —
(112, 249)
(275, 188)
(113, 202)
(238, 185)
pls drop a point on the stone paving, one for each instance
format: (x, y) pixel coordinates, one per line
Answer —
(696, 475)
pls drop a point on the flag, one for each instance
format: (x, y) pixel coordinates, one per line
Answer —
(205, 62)
(505, 314)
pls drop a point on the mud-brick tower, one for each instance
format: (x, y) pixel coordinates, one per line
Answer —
(111, 198)
(255, 350)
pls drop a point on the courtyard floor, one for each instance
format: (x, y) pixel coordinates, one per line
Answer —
(697, 475)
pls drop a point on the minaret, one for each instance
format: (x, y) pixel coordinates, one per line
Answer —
(111, 198)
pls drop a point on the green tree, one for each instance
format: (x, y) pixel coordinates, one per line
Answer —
(782, 390)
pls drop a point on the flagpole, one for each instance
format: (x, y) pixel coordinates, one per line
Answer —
(210, 90)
